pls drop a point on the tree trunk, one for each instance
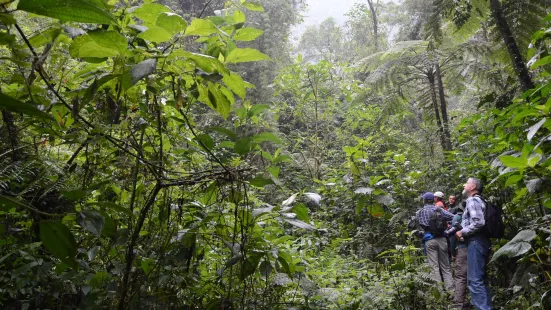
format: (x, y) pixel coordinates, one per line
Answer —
(374, 16)
(443, 109)
(512, 47)
(432, 85)
(7, 117)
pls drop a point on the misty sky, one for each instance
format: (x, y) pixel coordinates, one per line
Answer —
(319, 10)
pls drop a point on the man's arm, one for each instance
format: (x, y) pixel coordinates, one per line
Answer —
(476, 219)
(448, 216)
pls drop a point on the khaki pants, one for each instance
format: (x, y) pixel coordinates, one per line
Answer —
(437, 254)
(460, 278)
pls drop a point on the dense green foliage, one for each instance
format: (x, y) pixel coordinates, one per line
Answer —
(170, 155)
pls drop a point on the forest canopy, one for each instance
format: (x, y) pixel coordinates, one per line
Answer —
(179, 154)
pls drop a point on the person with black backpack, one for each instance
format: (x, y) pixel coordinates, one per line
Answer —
(434, 220)
(480, 222)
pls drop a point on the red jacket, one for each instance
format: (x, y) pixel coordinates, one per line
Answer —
(441, 204)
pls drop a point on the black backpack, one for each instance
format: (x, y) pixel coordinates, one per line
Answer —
(494, 226)
(437, 223)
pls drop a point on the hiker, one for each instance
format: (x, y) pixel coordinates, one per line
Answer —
(452, 204)
(433, 221)
(478, 244)
(459, 256)
(439, 200)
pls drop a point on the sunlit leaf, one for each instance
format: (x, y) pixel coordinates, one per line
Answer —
(245, 55)
(99, 44)
(299, 224)
(149, 12)
(364, 190)
(247, 34)
(253, 6)
(534, 128)
(315, 198)
(166, 25)
(235, 83)
(44, 37)
(289, 200)
(201, 27)
(514, 162)
(260, 211)
(274, 171)
(513, 179)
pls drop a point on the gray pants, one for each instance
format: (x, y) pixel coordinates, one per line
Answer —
(460, 278)
(437, 254)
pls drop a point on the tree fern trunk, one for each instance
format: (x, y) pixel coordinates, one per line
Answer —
(512, 47)
(432, 85)
(7, 117)
(375, 31)
(444, 110)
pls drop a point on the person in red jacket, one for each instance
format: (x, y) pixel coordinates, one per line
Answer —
(439, 200)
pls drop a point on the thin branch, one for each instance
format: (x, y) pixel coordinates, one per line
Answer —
(204, 8)
(203, 145)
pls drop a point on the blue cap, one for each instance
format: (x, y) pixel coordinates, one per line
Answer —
(428, 196)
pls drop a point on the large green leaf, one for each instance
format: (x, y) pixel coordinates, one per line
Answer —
(514, 162)
(250, 264)
(519, 245)
(266, 136)
(265, 269)
(301, 211)
(59, 240)
(256, 109)
(201, 27)
(155, 34)
(45, 37)
(245, 55)
(150, 12)
(247, 34)
(171, 22)
(513, 179)
(83, 11)
(91, 221)
(243, 146)
(99, 44)
(14, 105)
(236, 84)
(165, 27)
(6, 38)
(7, 19)
(218, 101)
(253, 6)
(260, 181)
(206, 63)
